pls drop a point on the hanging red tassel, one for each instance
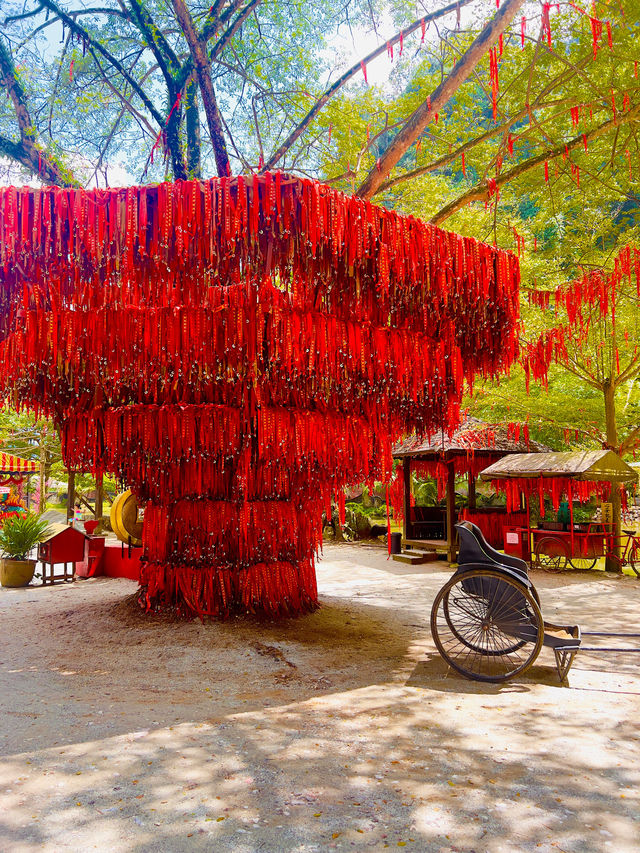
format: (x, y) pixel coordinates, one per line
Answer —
(493, 75)
(596, 33)
(546, 23)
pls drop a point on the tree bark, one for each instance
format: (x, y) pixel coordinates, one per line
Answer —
(71, 494)
(194, 165)
(99, 496)
(198, 50)
(609, 390)
(419, 120)
(43, 473)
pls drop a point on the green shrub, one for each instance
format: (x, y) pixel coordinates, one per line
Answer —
(18, 535)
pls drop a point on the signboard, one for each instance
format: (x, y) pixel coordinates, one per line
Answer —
(512, 538)
(606, 513)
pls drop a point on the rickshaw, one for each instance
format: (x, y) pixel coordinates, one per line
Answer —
(487, 623)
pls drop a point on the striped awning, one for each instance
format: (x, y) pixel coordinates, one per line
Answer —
(15, 465)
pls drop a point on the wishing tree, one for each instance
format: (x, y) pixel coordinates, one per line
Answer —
(237, 351)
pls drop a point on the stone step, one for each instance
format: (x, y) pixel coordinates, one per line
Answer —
(413, 557)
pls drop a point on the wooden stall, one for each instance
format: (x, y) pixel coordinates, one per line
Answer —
(468, 450)
(555, 541)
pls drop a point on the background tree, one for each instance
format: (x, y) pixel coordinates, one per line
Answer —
(36, 440)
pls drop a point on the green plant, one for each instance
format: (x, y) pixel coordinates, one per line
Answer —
(20, 534)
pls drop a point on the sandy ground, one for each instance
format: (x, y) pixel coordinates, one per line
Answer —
(339, 730)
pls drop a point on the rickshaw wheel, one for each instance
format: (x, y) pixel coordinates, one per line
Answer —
(555, 558)
(487, 625)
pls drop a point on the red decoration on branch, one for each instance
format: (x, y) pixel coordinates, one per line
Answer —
(237, 351)
(555, 487)
(493, 76)
(590, 298)
(546, 23)
(596, 34)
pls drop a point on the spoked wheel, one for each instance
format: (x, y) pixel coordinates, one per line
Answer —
(469, 639)
(552, 554)
(634, 558)
(583, 563)
(487, 625)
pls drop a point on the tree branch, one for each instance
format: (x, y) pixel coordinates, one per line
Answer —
(165, 57)
(482, 191)
(98, 47)
(201, 61)
(443, 93)
(351, 72)
(38, 161)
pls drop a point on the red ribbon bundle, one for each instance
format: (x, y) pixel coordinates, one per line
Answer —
(238, 350)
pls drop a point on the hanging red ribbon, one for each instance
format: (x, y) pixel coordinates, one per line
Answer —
(180, 336)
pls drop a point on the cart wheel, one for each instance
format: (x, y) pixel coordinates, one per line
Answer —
(583, 563)
(487, 625)
(552, 554)
(634, 558)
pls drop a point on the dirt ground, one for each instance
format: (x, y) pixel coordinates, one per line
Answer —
(340, 730)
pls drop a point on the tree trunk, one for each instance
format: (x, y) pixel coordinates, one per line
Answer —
(71, 494)
(198, 51)
(43, 474)
(471, 495)
(192, 117)
(609, 390)
(99, 496)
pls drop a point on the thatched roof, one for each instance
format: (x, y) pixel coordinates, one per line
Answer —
(595, 465)
(473, 435)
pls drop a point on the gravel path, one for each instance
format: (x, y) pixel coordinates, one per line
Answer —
(339, 730)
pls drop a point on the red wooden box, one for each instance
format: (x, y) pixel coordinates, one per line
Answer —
(64, 545)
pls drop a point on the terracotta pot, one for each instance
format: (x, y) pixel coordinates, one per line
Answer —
(16, 572)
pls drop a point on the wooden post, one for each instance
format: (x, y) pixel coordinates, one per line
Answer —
(471, 501)
(71, 494)
(408, 526)
(451, 513)
(99, 496)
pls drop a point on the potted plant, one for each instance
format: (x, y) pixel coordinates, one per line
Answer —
(18, 536)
